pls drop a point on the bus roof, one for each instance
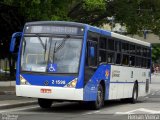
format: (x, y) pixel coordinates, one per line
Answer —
(118, 36)
(92, 28)
(129, 39)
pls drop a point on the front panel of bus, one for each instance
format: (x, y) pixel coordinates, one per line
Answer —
(49, 62)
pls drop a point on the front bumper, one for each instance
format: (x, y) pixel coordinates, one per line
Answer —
(57, 93)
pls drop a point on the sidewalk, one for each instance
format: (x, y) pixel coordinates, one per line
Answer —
(7, 90)
(8, 98)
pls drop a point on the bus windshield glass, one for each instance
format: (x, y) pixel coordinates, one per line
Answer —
(38, 53)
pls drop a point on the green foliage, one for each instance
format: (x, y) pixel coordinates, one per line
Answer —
(155, 52)
(42, 9)
(92, 5)
(136, 15)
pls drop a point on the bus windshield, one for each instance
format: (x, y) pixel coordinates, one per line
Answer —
(39, 52)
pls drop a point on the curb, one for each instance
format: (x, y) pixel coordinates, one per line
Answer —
(7, 93)
(7, 83)
(20, 104)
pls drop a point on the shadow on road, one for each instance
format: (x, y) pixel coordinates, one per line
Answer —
(75, 107)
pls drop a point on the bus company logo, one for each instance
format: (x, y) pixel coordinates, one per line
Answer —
(115, 73)
(46, 83)
(107, 74)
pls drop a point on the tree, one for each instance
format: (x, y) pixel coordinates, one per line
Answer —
(136, 15)
(156, 53)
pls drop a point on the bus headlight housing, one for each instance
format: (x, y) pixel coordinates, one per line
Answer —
(23, 81)
(72, 84)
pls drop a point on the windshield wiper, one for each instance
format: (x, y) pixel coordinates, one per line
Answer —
(43, 45)
(54, 51)
(45, 49)
(39, 38)
(60, 46)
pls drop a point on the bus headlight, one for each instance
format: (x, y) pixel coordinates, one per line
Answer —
(72, 84)
(23, 81)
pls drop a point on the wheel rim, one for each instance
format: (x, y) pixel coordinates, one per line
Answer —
(100, 96)
(135, 95)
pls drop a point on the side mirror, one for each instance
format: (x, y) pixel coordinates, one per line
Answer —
(13, 40)
(92, 52)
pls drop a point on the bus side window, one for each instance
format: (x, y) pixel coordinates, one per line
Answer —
(92, 59)
(125, 60)
(110, 57)
(92, 43)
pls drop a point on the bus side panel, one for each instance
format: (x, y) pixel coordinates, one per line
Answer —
(90, 89)
(122, 81)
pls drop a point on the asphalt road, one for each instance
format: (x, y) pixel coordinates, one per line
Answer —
(147, 109)
(113, 110)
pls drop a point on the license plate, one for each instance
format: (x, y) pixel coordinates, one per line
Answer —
(46, 91)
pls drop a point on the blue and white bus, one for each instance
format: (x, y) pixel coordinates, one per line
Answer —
(69, 61)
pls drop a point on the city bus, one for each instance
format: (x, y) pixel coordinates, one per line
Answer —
(69, 61)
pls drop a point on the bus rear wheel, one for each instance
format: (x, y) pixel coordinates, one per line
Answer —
(44, 103)
(134, 94)
(100, 99)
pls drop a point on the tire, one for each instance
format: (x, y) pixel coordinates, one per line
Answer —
(134, 94)
(45, 103)
(99, 103)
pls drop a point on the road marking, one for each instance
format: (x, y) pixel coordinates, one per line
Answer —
(89, 113)
(18, 109)
(128, 112)
(140, 109)
(3, 105)
(153, 94)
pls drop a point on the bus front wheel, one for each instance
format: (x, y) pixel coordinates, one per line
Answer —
(44, 103)
(100, 98)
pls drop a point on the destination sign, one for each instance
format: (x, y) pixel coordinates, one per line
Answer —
(54, 29)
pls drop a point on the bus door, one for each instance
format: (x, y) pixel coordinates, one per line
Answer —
(91, 59)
